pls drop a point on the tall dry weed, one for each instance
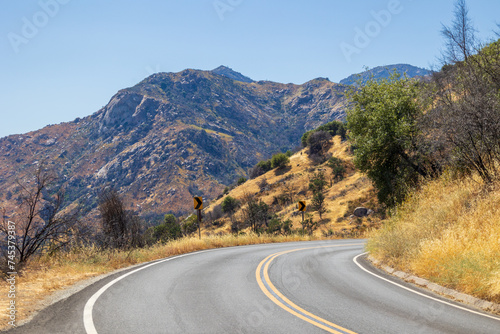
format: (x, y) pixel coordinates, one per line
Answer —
(448, 232)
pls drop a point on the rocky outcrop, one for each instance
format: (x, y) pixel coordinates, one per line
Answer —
(362, 212)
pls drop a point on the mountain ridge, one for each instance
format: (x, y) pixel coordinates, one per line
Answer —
(384, 72)
(231, 74)
(170, 137)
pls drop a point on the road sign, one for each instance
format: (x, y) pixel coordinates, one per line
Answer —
(198, 203)
(301, 205)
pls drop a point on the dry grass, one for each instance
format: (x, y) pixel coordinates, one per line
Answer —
(449, 233)
(47, 274)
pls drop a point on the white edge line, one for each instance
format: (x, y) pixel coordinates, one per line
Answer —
(87, 311)
(355, 259)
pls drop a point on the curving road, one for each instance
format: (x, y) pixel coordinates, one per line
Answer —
(303, 287)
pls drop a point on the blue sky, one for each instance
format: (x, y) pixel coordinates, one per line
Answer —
(62, 59)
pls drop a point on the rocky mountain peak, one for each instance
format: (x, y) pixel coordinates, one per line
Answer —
(229, 73)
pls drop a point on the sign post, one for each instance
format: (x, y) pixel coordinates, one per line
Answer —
(198, 205)
(301, 205)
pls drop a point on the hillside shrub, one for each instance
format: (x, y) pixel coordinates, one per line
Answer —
(280, 161)
(190, 225)
(335, 128)
(277, 226)
(338, 168)
(170, 229)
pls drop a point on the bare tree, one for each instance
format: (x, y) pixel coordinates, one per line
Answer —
(466, 112)
(289, 190)
(319, 142)
(121, 228)
(39, 221)
(255, 212)
(460, 36)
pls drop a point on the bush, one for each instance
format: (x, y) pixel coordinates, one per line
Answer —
(255, 172)
(216, 212)
(319, 142)
(277, 226)
(338, 168)
(263, 184)
(190, 225)
(308, 225)
(317, 182)
(266, 165)
(121, 228)
(169, 229)
(256, 213)
(280, 160)
(334, 128)
(229, 205)
(241, 180)
(261, 168)
(173, 228)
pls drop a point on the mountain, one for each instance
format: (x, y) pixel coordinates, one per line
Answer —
(229, 73)
(171, 136)
(384, 72)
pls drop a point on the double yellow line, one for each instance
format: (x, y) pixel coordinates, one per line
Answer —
(265, 284)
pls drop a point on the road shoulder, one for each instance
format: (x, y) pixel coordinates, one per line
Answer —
(390, 273)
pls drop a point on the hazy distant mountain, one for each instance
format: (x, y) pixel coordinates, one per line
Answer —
(172, 136)
(383, 72)
(229, 73)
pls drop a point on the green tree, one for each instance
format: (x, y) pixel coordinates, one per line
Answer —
(383, 124)
(260, 168)
(304, 138)
(229, 206)
(190, 225)
(279, 160)
(170, 229)
(241, 180)
(265, 165)
(318, 203)
(277, 226)
(256, 212)
(319, 142)
(335, 128)
(338, 168)
(317, 183)
(309, 225)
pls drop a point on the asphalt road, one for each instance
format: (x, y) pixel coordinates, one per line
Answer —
(303, 287)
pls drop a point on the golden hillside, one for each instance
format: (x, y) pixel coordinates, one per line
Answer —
(341, 197)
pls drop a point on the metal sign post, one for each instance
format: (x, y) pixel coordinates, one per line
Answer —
(198, 205)
(301, 205)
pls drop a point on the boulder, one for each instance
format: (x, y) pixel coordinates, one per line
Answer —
(361, 212)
